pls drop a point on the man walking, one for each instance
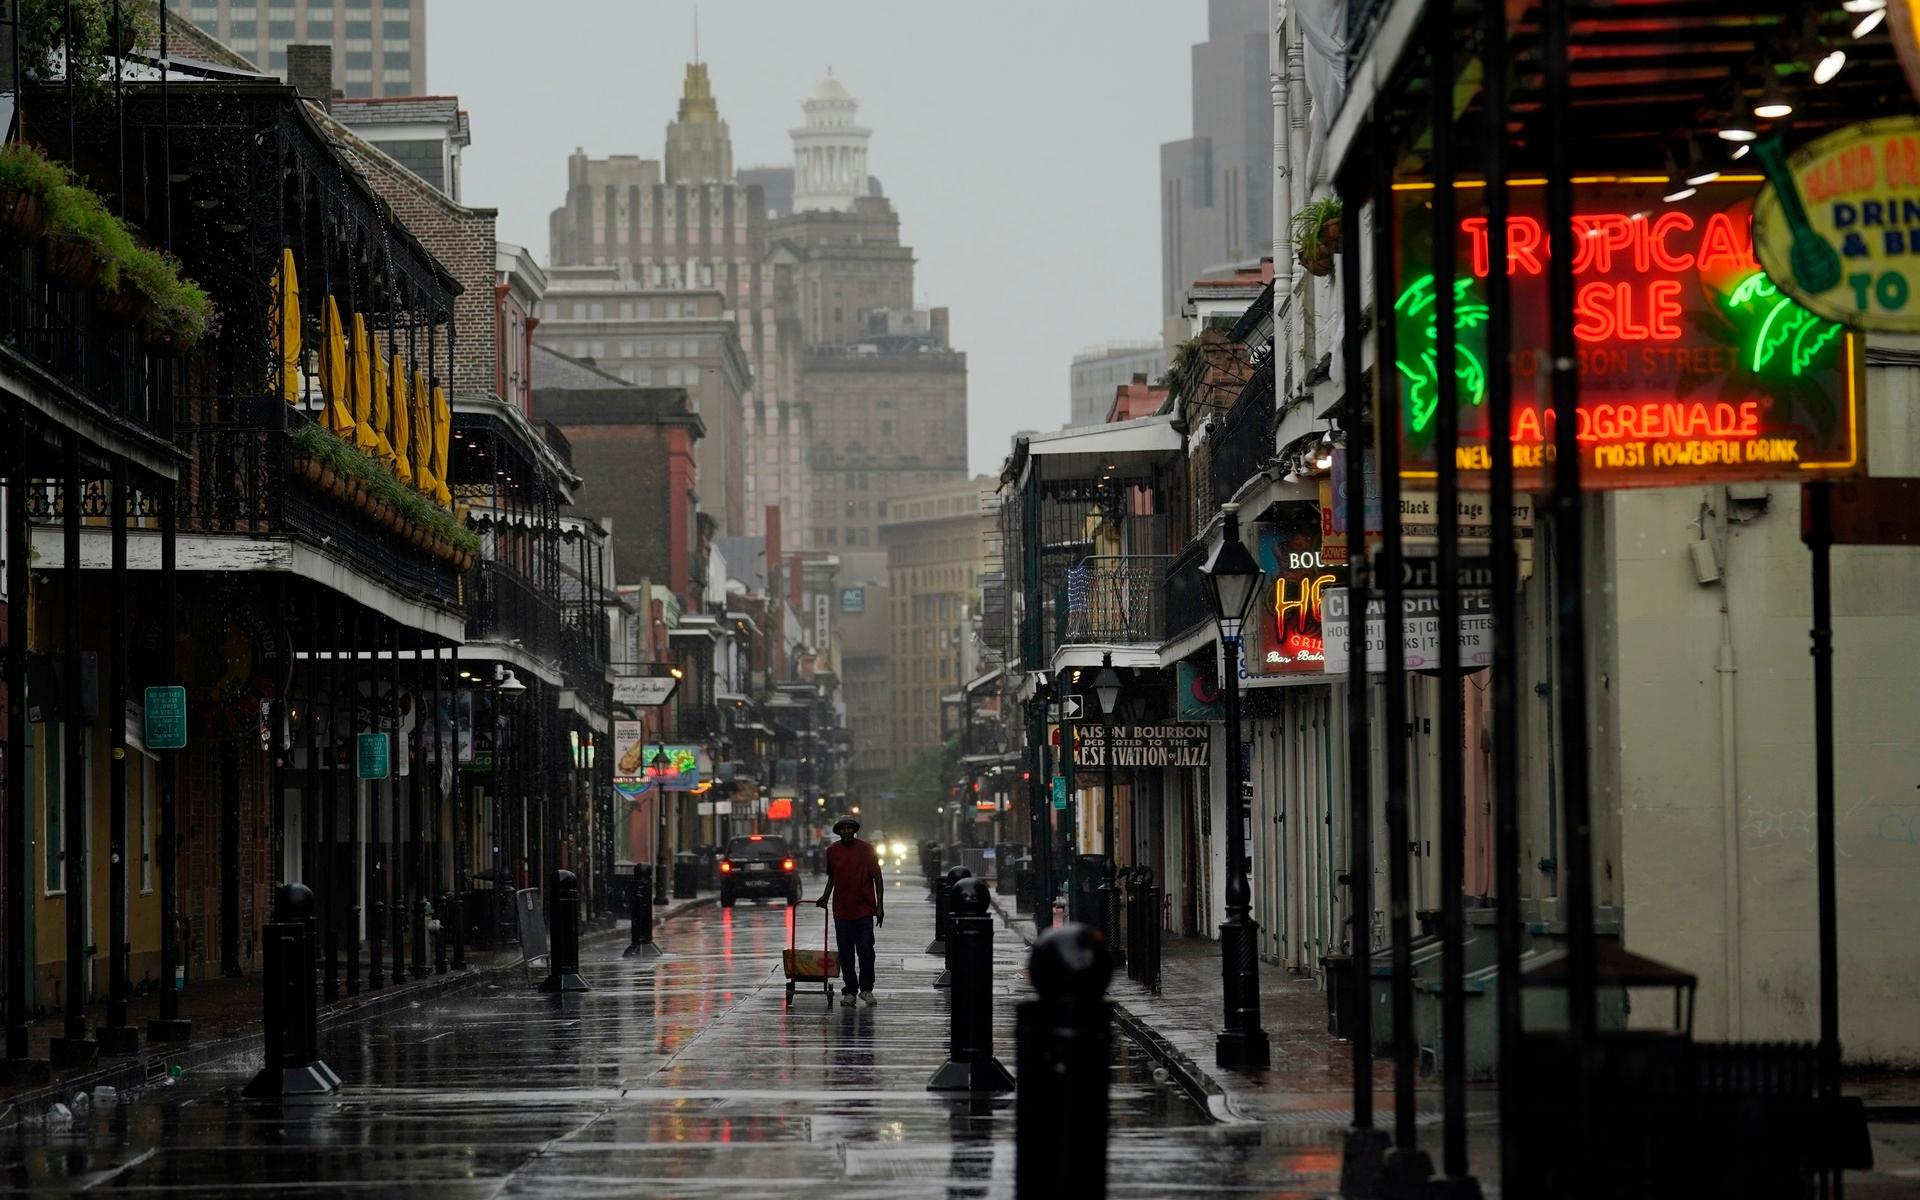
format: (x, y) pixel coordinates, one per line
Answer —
(859, 904)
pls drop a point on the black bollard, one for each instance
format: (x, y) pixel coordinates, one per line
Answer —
(1062, 1045)
(943, 924)
(970, 1065)
(1149, 971)
(1023, 884)
(291, 1013)
(640, 907)
(938, 945)
(934, 869)
(563, 959)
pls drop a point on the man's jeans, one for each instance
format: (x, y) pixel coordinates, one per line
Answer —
(856, 942)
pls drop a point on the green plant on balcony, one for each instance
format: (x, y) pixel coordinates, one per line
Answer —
(28, 180)
(1316, 233)
(44, 44)
(178, 313)
(334, 466)
(85, 243)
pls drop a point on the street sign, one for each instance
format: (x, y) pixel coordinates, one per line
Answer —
(1059, 791)
(643, 691)
(1421, 573)
(370, 756)
(166, 718)
(1072, 707)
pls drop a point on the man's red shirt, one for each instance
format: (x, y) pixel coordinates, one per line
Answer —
(855, 871)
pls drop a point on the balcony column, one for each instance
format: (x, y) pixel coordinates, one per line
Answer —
(396, 853)
(74, 1048)
(18, 847)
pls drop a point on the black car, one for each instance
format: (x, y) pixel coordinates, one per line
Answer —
(758, 865)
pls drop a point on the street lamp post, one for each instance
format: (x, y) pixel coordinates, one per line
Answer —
(1232, 577)
(660, 765)
(1106, 689)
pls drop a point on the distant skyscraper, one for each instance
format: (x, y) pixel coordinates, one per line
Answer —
(379, 46)
(1216, 187)
(829, 151)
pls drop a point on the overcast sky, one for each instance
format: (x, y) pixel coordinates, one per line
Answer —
(1018, 139)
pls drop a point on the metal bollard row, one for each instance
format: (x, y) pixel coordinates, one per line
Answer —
(1063, 1050)
(971, 1065)
(563, 958)
(291, 1010)
(1143, 928)
(943, 924)
(640, 908)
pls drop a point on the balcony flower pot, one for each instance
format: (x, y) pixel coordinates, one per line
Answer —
(305, 466)
(23, 215)
(123, 308)
(70, 261)
(1316, 231)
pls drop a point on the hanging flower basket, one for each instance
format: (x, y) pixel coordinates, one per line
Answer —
(124, 308)
(1316, 231)
(22, 214)
(70, 261)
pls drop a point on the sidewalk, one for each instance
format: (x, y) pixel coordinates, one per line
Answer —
(226, 1016)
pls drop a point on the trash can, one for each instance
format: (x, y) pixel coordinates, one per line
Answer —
(709, 867)
(1023, 884)
(686, 875)
(1006, 856)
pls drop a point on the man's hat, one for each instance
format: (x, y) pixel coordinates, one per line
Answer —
(843, 822)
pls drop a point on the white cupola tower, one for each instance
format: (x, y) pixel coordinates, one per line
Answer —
(829, 151)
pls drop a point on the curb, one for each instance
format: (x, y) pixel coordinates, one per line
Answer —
(151, 1062)
(1205, 1091)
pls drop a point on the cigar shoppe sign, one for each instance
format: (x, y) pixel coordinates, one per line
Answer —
(1695, 365)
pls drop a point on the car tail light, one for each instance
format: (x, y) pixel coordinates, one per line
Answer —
(726, 868)
(786, 864)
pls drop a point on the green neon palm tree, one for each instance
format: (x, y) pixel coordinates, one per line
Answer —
(1419, 305)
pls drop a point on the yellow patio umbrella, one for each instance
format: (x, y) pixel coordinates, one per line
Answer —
(382, 422)
(442, 431)
(366, 435)
(401, 431)
(335, 383)
(286, 324)
(424, 479)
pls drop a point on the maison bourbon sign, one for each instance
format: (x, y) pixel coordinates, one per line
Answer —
(1159, 745)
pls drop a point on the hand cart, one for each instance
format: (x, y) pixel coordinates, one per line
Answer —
(810, 966)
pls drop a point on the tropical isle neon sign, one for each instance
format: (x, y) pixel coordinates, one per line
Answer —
(1693, 364)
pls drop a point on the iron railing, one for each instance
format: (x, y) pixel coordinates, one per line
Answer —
(1188, 607)
(1243, 444)
(238, 481)
(63, 333)
(504, 606)
(1116, 599)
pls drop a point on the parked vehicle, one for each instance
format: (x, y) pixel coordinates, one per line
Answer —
(758, 865)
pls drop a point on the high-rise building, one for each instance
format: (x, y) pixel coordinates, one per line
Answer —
(829, 151)
(1216, 187)
(681, 337)
(686, 227)
(939, 546)
(379, 46)
(1099, 370)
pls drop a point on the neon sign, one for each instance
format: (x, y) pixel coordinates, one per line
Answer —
(1694, 365)
(1288, 639)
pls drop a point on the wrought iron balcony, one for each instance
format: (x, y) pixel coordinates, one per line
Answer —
(1188, 607)
(504, 606)
(1115, 599)
(240, 481)
(66, 335)
(1243, 444)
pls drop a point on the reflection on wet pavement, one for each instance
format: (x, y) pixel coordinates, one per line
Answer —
(686, 1077)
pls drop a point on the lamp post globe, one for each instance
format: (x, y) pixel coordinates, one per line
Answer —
(1233, 576)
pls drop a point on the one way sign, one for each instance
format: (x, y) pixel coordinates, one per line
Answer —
(1071, 708)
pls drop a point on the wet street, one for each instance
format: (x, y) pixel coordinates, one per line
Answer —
(685, 1077)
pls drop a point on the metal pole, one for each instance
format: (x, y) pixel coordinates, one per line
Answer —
(169, 1027)
(1568, 533)
(395, 856)
(1453, 818)
(1820, 543)
(326, 794)
(1506, 765)
(1406, 1162)
(115, 1036)
(1365, 1144)
(19, 852)
(416, 810)
(74, 1048)
(1242, 1043)
(1041, 796)
(356, 865)
(460, 831)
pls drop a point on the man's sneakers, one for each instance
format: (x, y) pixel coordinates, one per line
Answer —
(866, 997)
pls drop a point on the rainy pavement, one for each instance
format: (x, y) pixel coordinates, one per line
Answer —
(687, 1077)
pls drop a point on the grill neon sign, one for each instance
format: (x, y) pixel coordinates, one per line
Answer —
(1694, 366)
